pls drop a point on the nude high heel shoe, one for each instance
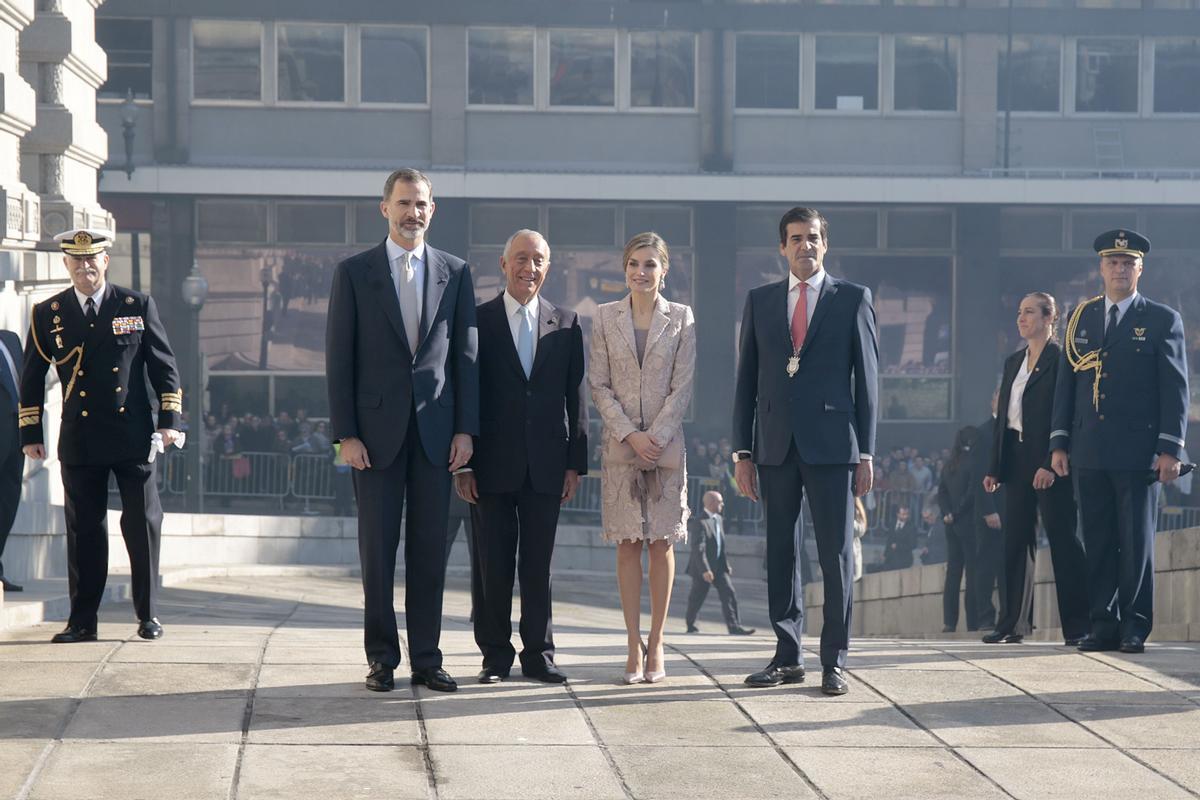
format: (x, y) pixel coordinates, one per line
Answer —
(637, 676)
(657, 675)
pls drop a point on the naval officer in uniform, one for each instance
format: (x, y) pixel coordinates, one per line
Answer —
(104, 341)
(1120, 413)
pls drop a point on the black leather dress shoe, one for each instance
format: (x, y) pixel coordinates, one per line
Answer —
(9, 586)
(833, 681)
(774, 675)
(740, 631)
(1133, 644)
(996, 637)
(551, 674)
(435, 678)
(1091, 644)
(380, 678)
(692, 629)
(1073, 641)
(74, 633)
(150, 629)
(492, 675)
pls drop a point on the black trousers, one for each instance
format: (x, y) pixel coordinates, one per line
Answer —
(468, 524)
(960, 560)
(86, 506)
(989, 573)
(515, 537)
(1022, 503)
(10, 490)
(832, 506)
(1118, 510)
(380, 492)
(725, 591)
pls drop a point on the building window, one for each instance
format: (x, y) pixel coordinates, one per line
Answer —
(310, 223)
(926, 73)
(768, 71)
(583, 225)
(662, 70)
(500, 67)
(393, 63)
(129, 46)
(493, 224)
(847, 73)
(582, 68)
(231, 221)
(1035, 71)
(920, 229)
(672, 223)
(1177, 76)
(369, 225)
(311, 63)
(1106, 75)
(226, 60)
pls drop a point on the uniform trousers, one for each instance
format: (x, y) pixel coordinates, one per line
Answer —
(86, 507)
(1118, 510)
(1022, 505)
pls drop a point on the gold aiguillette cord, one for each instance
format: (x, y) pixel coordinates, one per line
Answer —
(1084, 361)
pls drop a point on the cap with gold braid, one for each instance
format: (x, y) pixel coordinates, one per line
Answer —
(83, 242)
(1121, 241)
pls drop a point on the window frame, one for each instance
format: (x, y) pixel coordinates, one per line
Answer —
(140, 101)
(958, 79)
(1151, 43)
(626, 100)
(620, 91)
(356, 39)
(800, 64)
(345, 101)
(810, 87)
(1073, 72)
(1062, 81)
(263, 54)
(535, 99)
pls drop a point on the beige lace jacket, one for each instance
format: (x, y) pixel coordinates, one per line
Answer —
(652, 396)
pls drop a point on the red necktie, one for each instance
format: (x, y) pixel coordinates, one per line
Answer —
(800, 317)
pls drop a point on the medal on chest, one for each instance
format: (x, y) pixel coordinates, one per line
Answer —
(793, 365)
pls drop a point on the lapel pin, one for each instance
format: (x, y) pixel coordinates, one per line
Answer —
(54, 306)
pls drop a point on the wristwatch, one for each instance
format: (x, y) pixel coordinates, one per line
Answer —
(741, 455)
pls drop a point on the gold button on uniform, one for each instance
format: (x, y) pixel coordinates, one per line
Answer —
(85, 413)
(116, 369)
(118, 388)
(81, 373)
(82, 393)
(121, 410)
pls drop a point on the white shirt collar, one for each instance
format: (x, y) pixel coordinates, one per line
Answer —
(395, 251)
(1122, 306)
(98, 297)
(511, 304)
(814, 282)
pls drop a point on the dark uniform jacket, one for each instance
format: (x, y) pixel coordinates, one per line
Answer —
(1143, 393)
(535, 425)
(108, 416)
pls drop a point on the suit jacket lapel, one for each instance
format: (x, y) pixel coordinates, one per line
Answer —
(824, 300)
(1048, 356)
(549, 320)
(493, 318)
(658, 323)
(437, 275)
(379, 276)
(625, 325)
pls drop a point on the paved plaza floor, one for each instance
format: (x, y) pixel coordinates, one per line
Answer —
(256, 692)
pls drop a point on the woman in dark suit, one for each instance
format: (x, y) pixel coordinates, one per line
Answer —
(957, 500)
(1020, 459)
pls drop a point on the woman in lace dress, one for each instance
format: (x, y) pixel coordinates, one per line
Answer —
(643, 359)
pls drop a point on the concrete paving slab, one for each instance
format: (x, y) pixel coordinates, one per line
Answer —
(323, 680)
(1181, 765)
(909, 686)
(1091, 688)
(1069, 774)
(33, 718)
(386, 719)
(118, 770)
(1130, 726)
(642, 720)
(834, 723)
(301, 654)
(16, 759)
(163, 718)
(1001, 723)
(158, 653)
(538, 716)
(1184, 683)
(57, 653)
(858, 773)
(705, 772)
(25, 679)
(336, 772)
(471, 772)
(212, 680)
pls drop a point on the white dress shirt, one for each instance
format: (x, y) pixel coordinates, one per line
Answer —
(1122, 307)
(812, 287)
(511, 307)
(395, 254)
(1018, 392)
(97, 298)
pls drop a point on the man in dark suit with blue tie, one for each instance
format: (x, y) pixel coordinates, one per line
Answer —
(1120, 416)
(531, 450)
(12, 459)
(709, 566)
(804, 415)
(401, 348)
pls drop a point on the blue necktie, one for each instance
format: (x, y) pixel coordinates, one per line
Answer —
(6, 380)
(720, 539)
(525, 340)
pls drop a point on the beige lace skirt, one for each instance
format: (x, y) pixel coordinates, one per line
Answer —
(643, 506)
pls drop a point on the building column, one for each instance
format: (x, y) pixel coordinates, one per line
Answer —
(716, 316)
(448, 97)
(978, 282)
(20, 208)
(981, 64)
(65, 148)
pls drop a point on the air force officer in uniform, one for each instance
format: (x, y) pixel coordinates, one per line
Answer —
(1120, 413)
(104, 341)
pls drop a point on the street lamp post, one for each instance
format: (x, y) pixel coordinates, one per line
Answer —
(195, 291)
(265, 275)
(129, 113)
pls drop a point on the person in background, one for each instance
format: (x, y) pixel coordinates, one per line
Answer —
(901, 541)
(956, 499)
(12, 459)
(709, 566)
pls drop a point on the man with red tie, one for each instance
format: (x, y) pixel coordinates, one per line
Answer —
(804, 416)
